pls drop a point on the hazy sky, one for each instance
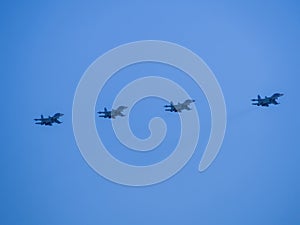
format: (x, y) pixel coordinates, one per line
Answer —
(252, 48)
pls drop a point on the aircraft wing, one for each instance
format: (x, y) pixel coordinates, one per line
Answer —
(118, 111)
(121, 108)
(188, 101)
(178, 107)
(276, 95)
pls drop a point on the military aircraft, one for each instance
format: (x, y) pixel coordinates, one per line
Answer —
(50, 120)
(113, 113)
(267, 100)
(179, 107)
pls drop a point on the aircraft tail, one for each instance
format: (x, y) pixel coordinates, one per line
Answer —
(42, 117)
(258, 97)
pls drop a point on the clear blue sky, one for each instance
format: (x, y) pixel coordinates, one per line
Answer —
(252, 47)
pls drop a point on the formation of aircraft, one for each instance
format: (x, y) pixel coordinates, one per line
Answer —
(180, 106)
(113, 113)
(267, 100)
(171, 108)
(50, 120)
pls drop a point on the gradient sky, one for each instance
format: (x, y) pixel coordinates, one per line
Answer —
(252, 48)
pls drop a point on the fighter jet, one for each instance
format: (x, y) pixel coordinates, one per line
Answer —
(50, 120)
(113, 113)
(179, 107)
(267, 100)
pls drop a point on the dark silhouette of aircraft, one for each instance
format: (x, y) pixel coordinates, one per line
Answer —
(179, 107)
(267, 100)
(113, 113)
(50, 120)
